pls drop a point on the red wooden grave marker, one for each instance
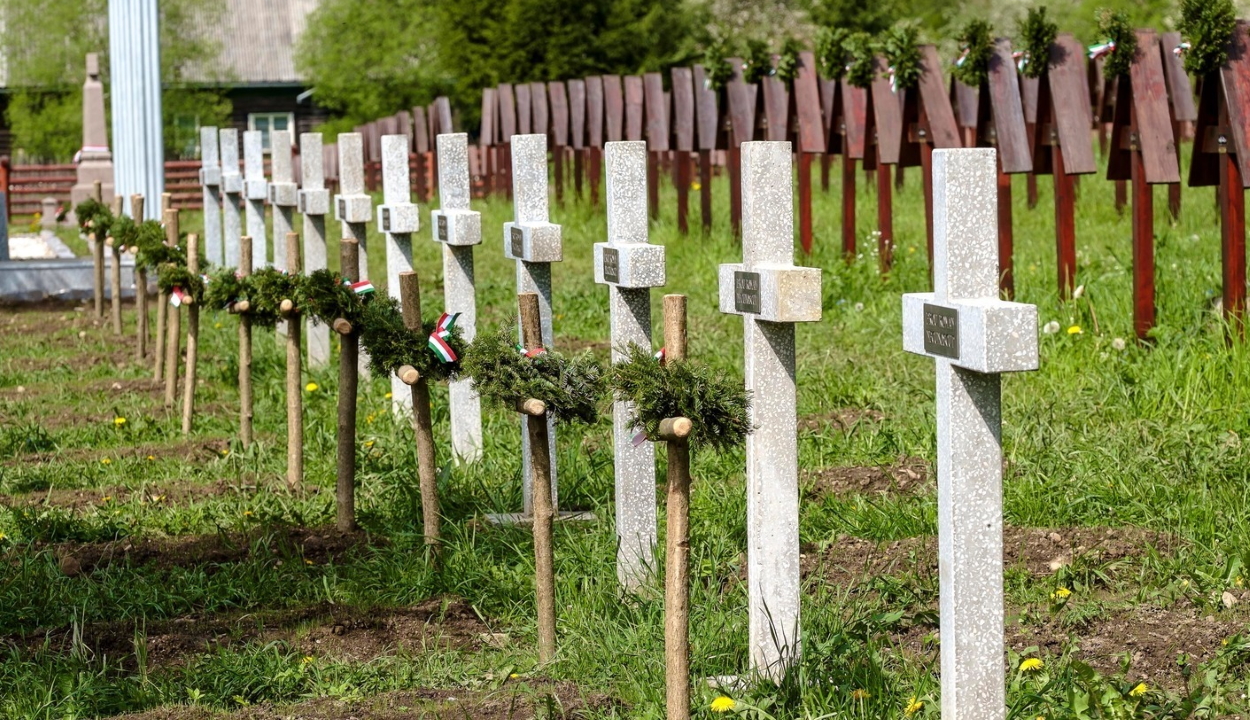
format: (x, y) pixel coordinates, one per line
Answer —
(613, 108)
(964, 102)
(806, 110)
(711, 137)
(507, 128)
(634, 100)
(883, 133)
(929, 124)
(657, 133)
(1180, 104)
(524, 109)
(421, 150)
(683, 139)
(741, 101)
(596, 89)
(577, 120)
(559, 132)
(1028, 97)
(486, 139)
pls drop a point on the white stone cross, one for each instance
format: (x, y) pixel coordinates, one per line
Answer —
(458, 228)
(255, 192)
(973, 336)
(231, 188)
(771, 294)
(352, 206)
(210, 180)
(398, 219)
(534, 242)
(281, 193)
(313, 202)
(630, 266)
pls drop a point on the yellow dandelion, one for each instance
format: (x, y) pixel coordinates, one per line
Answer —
(217, 325)
(696, 186)
(913, 707)
(151, 457)
(1031, 664)
(106, 498)
(307, 659)
(307, 561)
(3, 536)
(368, 443)
(1060, 594)
(859, 694)
(106, 461)
(513, 676)
(369, 417)
(158, 498)
(1139, 690)
(1075, 330)
(312, 387)
(387, 396)
(723, 704)
(247, 513)
(224, 452)
(119, 421)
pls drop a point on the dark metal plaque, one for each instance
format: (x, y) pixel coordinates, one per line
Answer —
(941, 331)
(386, 219)
(747, 292)
(518, 242)
(343, 208)
(611, 265)
(442, 228)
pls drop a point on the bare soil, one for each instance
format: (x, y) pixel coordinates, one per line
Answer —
(840, 419)
(909, 475)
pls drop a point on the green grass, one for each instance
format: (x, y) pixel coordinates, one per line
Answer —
(1145, 437)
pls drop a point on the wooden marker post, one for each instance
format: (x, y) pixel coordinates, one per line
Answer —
(742, 106)
(577, 122)
(1143, 151)
(1028, 99)
(245, 348)
(507, 128)
(683, 142)
(1061, 145)
(97, 254)
(559, 132)
(422, 424)
(1222, 157)
(657, 136)
(596, 115)
(535, 411)
(883, 134)
(349, 381)
(115, 270)
(193, 336)
(1180, 105)
(845, 135)
(675, 431)
(173, 321)
(712, 137)
(805, 112)
(421, 148)
(141, 286)
(486, 140)
(294, 374)
(828, 97)
(965, 102)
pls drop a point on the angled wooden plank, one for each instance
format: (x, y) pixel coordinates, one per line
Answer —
(1150, 105)
(776, 109)
(741, 99)
(707, 111)
(634, 100)
(577, 113)
(808, 107)
(1069, 102)
(559, 114)
(683, 108)
(655, 112)
(614, 107)
(964, 101)
(524, 109)
(540, 108)
(943, 131)
(486, 134)
(507, 113)
(1007, 112)
(1028, 97)
(1235, 82)
(1204, 165)
(1180, 91)
(854, 104)
(887, 112)
(446, 124)
(828, 115)
(594, 111)
(421, 130)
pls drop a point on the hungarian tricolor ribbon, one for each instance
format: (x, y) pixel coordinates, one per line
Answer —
(1097, 51)
(177, 297)
(1021, 58)
(531, 353)
(1180, 49)
(438, 338)
(660, 355)
(360, 288)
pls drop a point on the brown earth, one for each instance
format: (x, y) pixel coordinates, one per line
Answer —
(318, 631)
(841, 418)
(907, 475)
(515, 700)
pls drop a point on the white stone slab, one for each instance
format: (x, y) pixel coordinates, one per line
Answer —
(312, 175)
(254, 193)
(281, 194)
(396, 197)
(231, 187)
(352, 224)
(210, 181)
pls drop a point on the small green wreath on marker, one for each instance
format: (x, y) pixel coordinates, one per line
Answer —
(831, 52)
(976, 42)
(788, 60)
(1114, 25)
(718, 71)
(901, 47)
(861, 54)
(1207, 25)
(1037, 34)
(759, 62)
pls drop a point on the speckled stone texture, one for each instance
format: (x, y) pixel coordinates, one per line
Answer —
(459, 290)
(231, 187)
(351, 194)
(633, 262)
(312, 176)
(630, 321)
(969, 428)
(397, 195)
(529, 210)
(772, 447)
(210, 180)
(254, 192)
(281, 193)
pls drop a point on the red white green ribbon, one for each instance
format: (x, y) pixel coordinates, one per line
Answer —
(1097, 51)
(360, 288)
(530, 353)
(177, 297)
(438, 338)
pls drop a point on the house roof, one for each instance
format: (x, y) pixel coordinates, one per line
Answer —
(256, 39)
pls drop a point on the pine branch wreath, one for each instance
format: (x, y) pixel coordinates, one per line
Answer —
(94, 216)
(788, 61)
(901, 47)
(1114, 25)
(976, 42)
(392, 345)
(831, 52)
(1207, 25)
(1037, 34)
(861, 52)
(716, 65)
(759, 61)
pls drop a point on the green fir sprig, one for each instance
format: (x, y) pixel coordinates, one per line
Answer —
(831, 52)
(901, 47)
(1114, 25)
(788, 60)
(718, 71)
(94, 217)
(1037, 34)
(572, 387)
(171, 276)
(150, 248)
(224, 288)
(392, 345)
(327, 298)
(861, 54)
(1207, 25)
(718, 406)
(266, 289)
(758, 63)
(976, 43)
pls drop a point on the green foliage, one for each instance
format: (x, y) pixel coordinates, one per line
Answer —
(224, 288)
(391, 344)
(831, 52)
(871, 16)
(170, 276)
(266, 289)
(1037, 34)
(716, 65)
(1207, 25)
(716, 404)
(862, 52)
(1114, 25)
(572, 387)
(758, 63)
(150, 249)
(976, 40)
(94, 217)
(46, 124)
(327, 298)
(901, 47)
(788, 60)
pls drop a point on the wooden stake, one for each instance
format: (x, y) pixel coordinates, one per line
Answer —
(97, 254)
(1006, 239)
(245, 351)
(193, 337)
(115, 276)
(294, 376)
(885, 218)
(705, 188)
(540, 464)
(349, 381)
(422, 424)
(848, 206)
(162, 300)
(677, 538)
(141, 286)
(173, 322)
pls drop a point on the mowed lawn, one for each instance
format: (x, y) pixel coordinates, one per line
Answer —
(144, 572)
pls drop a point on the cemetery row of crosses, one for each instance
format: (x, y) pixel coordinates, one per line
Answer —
(967, 137)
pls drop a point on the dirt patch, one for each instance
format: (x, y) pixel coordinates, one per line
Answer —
(841, 419)
(1040, 551)
(573, 346)
(188, 451)
(515, 700)
(319, 631)
(908, 475)
(290, 544)
(157, 494)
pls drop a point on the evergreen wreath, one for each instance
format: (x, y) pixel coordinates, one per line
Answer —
(572, 387)
(1114, 25)
(716, 65)
(224, 288)
(976, 42)
(265, 289)
(758, 62)
(171, 276)
(831, 52)
(1207, 25)
(150, 249)
(392, 345)
(901, 47)
(94, 216)
(861, 52)
(1037, 34)
(788, 61)
(717, 406)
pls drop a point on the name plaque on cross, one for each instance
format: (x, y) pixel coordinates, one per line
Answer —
(442, 228)
(611, 265)
(941, 331)
(747, 292)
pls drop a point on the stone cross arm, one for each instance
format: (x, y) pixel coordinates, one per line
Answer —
(774, 292)
(627, 260)
(985, 335)
(531, 236)
(533, 242)
(254, 185)
(457, 227)
(454, 223)
(282, 189)
(231, 179)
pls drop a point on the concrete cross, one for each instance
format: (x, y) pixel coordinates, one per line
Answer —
(353, 208)
(210, 180)
(282, 193)
(630, 267)
(534, 242)
(771, 294)
(973, 336)
(398, 219)
(255, 191)
(313, 202)
(458, 228)
(231, 188)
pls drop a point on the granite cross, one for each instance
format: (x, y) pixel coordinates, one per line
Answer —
(231, 188)
(353, 208)
(210, 179)
(281, 193)
(313, 202)
(255, 192)
(398, 220)
(771, 294)
(458, 228)
(630, 266)
(534, 242)
(973, 336)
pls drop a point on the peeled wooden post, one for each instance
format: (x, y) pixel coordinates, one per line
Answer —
(115, 274)
(422, 424)
(294, 374)
(162, 299)
(245, 349)
(141, 286)
(349, 381)
(193, 336)
(97, 254)
(540, 463)
(675, 432)
(173, 322)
